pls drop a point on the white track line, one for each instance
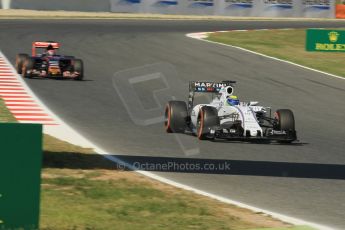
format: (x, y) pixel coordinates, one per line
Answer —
(46, 123)
(66, 133)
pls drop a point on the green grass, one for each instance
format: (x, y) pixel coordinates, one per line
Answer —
(94, 204)
(284, 44)
(5, 115)
(77, 197)
(81, 199)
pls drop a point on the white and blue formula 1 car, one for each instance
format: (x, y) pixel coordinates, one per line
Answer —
(225, 117)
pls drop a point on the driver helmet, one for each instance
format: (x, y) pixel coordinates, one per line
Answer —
(232, 100)
(50, 50)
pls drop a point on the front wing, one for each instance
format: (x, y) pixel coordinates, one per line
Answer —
(280, 136)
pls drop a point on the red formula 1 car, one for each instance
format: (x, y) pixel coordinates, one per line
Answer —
(48, 64)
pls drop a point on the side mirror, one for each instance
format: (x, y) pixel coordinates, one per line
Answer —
(253, 103)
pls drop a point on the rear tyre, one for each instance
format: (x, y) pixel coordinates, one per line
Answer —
(207, 119)
(28, 65)
(175, 117)
(78, 66)
(285, 121)
(20, 59)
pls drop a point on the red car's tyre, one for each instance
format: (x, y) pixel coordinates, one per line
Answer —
(28, 64)
(207, 119)
(78, 66)
(175, 117)
(20, 59)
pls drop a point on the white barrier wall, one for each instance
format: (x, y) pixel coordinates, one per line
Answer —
(316, 8)
(145, 6)
(67, 5)
(5, 4)
(243, 8)
(161, 6)
(196, 7)
(246, 8)
(126, 6)
(274, 8)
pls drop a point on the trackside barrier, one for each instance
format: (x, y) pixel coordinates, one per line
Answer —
(231, 8)
(20, 175)
(66, 5)
(159, 6)
(196, 7)
(340, 11)
(5, 4)
(245, 8)
(126, 6)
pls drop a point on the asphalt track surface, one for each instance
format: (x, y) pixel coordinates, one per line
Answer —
(304, 180)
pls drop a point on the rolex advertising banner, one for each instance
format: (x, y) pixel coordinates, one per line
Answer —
(126, 6)
(316, 8)
(160, 6)
(234, 7)
(196, 7)
(325, 40)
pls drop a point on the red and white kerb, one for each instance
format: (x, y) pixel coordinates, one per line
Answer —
(21, 104)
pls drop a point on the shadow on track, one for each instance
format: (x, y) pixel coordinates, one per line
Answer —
(197, 165)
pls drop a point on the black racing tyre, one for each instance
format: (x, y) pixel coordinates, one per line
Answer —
(28, 64)
(175, 117)
(78, 66)
(207, 119)
(20, 59)
(285, 120)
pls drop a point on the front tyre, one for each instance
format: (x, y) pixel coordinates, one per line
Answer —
(27, 68)
(285, 121)
(20, 59)
(175, 117)
(78, 66)
(207, 120)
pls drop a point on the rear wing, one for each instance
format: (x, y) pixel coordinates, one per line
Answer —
(35, 45)
(205, 87)
(208, 87)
